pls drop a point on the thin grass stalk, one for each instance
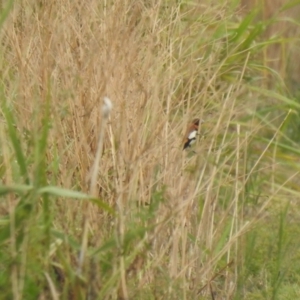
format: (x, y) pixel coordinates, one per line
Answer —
(105, 109)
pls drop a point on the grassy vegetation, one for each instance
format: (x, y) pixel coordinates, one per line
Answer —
(147, 220)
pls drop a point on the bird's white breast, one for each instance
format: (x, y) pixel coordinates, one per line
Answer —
(192, 135)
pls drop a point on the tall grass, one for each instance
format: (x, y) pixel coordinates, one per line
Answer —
(213, 223)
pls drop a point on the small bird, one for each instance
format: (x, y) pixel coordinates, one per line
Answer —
(191, 133)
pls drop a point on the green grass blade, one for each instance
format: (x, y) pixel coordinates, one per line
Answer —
(17, 188)
(15, 140)
(241, 30)
(61, 192)
(5, 12)
(289, 5)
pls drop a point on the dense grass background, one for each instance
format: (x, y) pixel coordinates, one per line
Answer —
(219, 222)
